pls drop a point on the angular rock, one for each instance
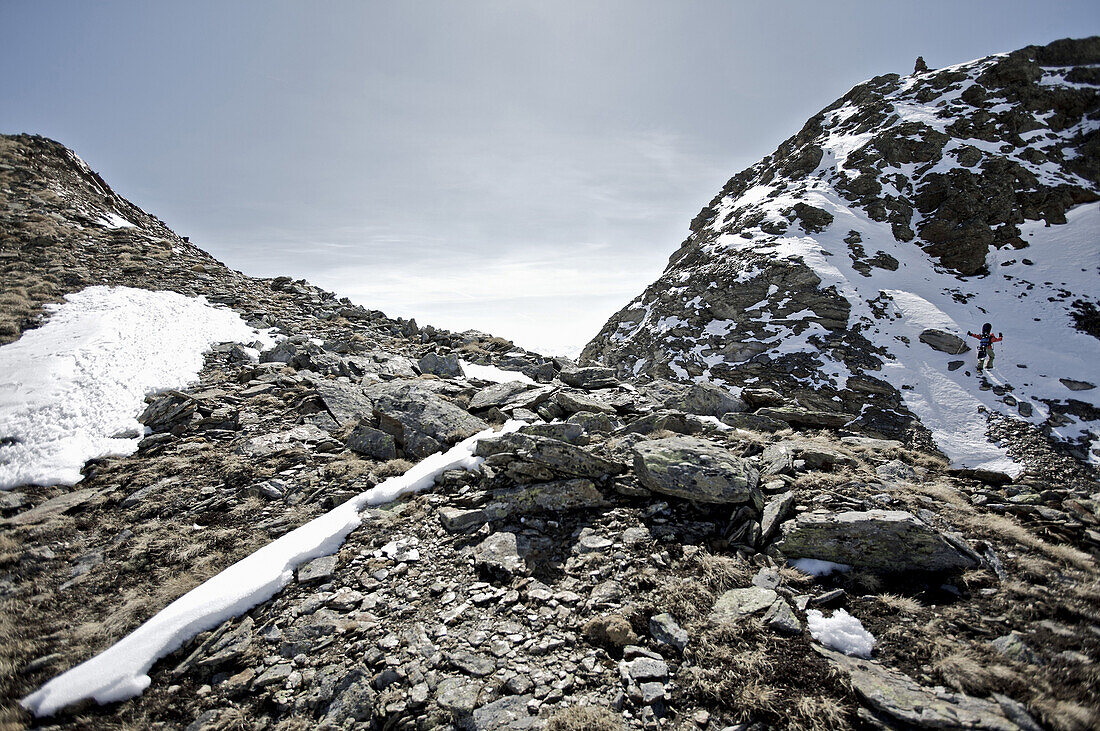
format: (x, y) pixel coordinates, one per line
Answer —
(887, 541)
(499, 557)
(371, 442)
(781, 618)
(169, 412)
(664, 629)
(944, 342)
(556, 496)
(571, 403)
(507, 714)
(737, 603)
(594, 423)
(526, 458)
(444, 366)
(346, 402)
(589, 378)
(696, 470)
(753, 422)
(499, 394)
(562, 431)
(899, 701)
(460, 521)
(706, 399)
(458, 695)
(421, 422)
(814, 419)
(317, 570)
(775, 511)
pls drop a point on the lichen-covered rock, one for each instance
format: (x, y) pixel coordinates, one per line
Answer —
(898, 700)
(888, 541)
(694, 469)
(527, 458)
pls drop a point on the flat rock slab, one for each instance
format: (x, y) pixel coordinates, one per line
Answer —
(54, 506)
(497, 395)
(694, 469)
(507, 714)
(807, 417)
(589, 378)
(550, 496)
(898, 699)
(737, 603)
(889, 541)
(317, 570)
(527, 458)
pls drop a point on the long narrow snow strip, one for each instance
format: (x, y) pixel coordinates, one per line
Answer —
(120, 671)
(72, 389)
(494, 374)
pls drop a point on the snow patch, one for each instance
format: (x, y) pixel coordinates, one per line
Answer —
(72, 389)
(493, 374)
(841, 632)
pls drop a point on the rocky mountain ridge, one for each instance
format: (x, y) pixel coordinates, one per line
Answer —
(620, 562)
(845, 268)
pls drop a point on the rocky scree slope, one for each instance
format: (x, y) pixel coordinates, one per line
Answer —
(845, 269)
(621, 562)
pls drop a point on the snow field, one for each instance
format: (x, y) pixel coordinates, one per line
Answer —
(120, 671)
(72, 389)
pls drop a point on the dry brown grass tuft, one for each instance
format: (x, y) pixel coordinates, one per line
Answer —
(1006, 528)
(1067, 716)
(968, 674)
(900, 604)
(584, 718)
(818, 713)
(347, 468)
(392, 468)
(720, 573)
(685, 599)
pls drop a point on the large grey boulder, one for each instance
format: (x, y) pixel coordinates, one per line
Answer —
(888, 541)
(444, 366)
(693, 469)
(421, 422)
(528, 458)
(589, 378)
(944, 342)
(346, 402)
(547, 496)
(371, 442)
(706, 399)
(497, 395)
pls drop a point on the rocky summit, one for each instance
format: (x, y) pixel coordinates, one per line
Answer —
(622, 544)
(845, 269)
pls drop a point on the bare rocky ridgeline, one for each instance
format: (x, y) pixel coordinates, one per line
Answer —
(621, 565)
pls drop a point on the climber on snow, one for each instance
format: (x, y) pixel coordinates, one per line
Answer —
(985, 345)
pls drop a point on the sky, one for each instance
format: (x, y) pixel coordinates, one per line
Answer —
(518, 167)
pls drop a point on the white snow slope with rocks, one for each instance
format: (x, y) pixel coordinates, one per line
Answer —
(120, 671)
(1026, 294)
(72, 389)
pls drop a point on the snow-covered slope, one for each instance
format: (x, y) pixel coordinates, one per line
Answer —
(936, 201)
